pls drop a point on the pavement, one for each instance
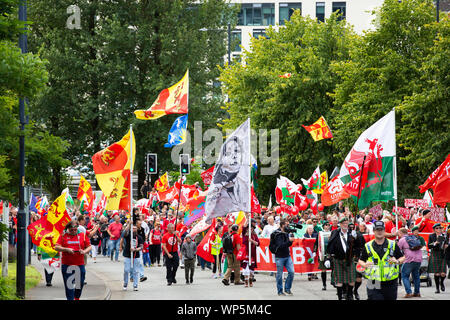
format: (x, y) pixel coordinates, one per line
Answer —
(105, 281)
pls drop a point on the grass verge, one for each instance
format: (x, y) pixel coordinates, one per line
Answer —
(8, 284)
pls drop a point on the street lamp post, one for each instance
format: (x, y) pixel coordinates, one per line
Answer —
(21, 218)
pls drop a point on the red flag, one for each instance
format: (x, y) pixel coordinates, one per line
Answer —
(169, 195)
(334, 192)
(256, 207)
(439, 181)
(207, 176)
(204, 247)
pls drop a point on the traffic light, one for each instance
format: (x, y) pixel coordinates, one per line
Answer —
(185, 165)
(152, 163)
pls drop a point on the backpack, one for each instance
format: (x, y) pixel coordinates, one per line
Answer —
(227, 242)
(273, 247)
(413, 242)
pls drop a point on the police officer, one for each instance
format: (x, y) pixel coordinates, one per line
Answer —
(380, 260)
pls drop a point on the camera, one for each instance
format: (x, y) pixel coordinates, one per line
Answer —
(291, 228)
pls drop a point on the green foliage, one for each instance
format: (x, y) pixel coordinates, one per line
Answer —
(125, 53)
(402, 65)
(21, 75)
(306, 49)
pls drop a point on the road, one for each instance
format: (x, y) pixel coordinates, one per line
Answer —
(207, 288)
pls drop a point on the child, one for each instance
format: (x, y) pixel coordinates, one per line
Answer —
(146, 255)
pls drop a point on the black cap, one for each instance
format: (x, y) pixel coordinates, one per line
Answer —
(378, 225)
(426, 211)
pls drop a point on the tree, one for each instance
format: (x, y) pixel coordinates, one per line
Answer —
(21, 75)
(125, 53)
(384, 71)
(307, 50)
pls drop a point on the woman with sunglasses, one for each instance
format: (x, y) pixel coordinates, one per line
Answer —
(73, 247)
(438, 243)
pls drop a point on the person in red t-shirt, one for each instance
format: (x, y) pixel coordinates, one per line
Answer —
(233, 262)
(155, 244)
(170, 243)
(114, 231)
(73, 246)
(425, 224)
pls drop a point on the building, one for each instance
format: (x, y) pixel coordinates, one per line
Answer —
(256, 15)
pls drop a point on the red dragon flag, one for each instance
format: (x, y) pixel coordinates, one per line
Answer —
(169, 101)
(439, 181)
(377, 145)
(319, 130)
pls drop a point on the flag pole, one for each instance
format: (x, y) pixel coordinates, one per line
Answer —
(131, 193)
(395, 177)
(359, 189)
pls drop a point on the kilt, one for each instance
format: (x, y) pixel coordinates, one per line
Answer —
(342, 272)
(437, 263)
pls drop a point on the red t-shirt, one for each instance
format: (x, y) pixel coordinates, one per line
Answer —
(181, 228)
(171, 242)
(76, 242)
(115, 228)
(237, 239)
(156, 236)
(427, 225)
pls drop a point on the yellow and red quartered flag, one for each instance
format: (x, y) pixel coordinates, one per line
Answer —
(46, 231)
(169, 101)
(319, 130)
(85, 191)
(323, 183)
(112, 171)
(162, 184)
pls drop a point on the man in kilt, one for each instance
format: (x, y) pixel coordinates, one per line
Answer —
(341, 248)
(438, 243)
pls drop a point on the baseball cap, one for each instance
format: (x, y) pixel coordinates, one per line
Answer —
(378, 225)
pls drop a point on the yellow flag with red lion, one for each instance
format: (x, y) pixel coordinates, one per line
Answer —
(46, 231)
(169, 101)
(112, 168)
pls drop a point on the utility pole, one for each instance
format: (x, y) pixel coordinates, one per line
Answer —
(21, 217)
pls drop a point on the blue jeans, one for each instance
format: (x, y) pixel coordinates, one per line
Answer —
(133, 272)
(105, 247)
(204, 263)
(282, 263)
(411, 268)
(73, 277)
(114, 245)
(146, 257)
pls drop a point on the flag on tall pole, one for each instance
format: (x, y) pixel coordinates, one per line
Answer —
(230, 187)
(171, 100)
(319, 130)
(178, 132)
(112, 170)
(377, 179)
(439, 182)
(162, 184)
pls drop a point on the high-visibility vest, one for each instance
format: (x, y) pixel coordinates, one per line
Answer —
(216, 245)
(381, 270)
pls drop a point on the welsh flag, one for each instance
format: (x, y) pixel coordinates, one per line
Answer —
(285, 191)
(68, 196)
(377, 179)
(313, 183)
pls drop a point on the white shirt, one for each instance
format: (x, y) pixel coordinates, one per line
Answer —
(146, 228)
(268, 229)
(343, 236)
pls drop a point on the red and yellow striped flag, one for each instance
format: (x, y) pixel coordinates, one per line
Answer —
(112, 171)
(170, 100)
(319, 130)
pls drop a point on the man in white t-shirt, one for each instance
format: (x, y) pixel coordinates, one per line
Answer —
(269, 228)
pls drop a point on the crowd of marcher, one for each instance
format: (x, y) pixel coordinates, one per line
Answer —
(159, 238)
